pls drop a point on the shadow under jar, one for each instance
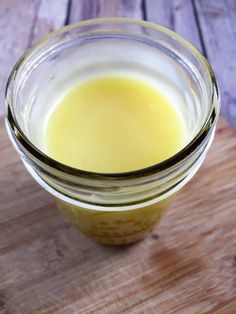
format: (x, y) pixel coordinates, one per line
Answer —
(112, 208)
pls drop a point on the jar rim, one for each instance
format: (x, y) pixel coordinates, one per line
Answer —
(154, 169)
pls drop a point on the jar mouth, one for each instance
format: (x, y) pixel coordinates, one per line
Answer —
(210, 120)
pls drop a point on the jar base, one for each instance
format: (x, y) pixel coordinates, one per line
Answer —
(117, 241)
(115, 227)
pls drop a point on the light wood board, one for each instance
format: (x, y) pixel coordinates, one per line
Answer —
(187, 265)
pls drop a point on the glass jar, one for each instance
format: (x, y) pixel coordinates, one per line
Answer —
(112, 208)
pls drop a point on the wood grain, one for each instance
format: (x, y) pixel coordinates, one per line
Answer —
(51, 15)
(217, 20)
(13, 15)
(177, 15)
(81, 10)
(187, 265)
(22, 22)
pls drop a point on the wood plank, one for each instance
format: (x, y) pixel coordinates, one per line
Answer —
(217, 20)
(177, 15)
(186, 266)
(51, 15)
(16, 20)
(82, 10)
(21, 23)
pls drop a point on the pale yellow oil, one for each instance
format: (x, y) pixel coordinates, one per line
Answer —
(114, 124)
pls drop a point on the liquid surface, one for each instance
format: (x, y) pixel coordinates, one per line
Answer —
(113, 124)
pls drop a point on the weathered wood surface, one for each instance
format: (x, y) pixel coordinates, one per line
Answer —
(81, 10)
(177, 15)
(22, 22)
(217, 20)
(188, 264)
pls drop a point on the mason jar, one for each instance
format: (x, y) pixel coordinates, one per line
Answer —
(112, 208)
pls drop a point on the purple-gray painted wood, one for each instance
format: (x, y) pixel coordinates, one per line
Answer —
(51, 15)
(177, 15)
(21, 23)
(217, 20)
(16, 20)
(82, 10)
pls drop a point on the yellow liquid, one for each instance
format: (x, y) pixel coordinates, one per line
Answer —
(114, 124)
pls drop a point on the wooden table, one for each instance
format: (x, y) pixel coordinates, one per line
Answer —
(188, 264)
